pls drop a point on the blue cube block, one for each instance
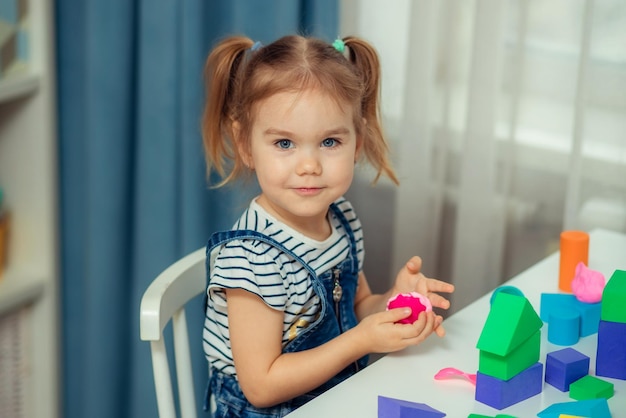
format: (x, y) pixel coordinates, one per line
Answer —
(397, 408)
(500, 394)
(611, 354)
(564, 367)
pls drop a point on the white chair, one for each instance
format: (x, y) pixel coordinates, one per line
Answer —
(163, 300)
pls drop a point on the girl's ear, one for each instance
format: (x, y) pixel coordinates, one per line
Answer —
(242, 147)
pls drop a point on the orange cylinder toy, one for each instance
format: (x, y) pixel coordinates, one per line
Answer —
(574, 249)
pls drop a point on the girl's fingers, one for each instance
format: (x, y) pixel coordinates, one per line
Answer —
(439, 329)
(435, 285)
(438, 301)
(396, 314)
(414, 265)
(424, 324)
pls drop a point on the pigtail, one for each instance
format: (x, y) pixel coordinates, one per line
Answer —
(365, 58)
(221, 74)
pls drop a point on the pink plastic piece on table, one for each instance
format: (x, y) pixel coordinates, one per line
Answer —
(588, 284)
(416, 301)
(451, 372)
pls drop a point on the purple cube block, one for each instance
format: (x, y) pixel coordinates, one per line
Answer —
(564, 367)
(500, 394)
(611, 354)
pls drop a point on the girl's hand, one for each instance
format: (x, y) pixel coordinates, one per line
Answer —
(410, 279)
(383, 334)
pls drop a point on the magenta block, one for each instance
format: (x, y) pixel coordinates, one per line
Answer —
(500, 394)
(564, 367)
(396, 408)
(611, 354)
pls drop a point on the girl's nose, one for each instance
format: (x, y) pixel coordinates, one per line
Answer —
(309, 164)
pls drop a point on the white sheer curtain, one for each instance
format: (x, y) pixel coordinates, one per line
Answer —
(508, 125)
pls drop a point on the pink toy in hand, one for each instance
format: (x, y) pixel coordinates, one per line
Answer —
(416, 301)
(588, 284)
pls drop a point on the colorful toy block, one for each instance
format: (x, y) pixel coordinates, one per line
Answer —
(510, 322)
(500, 394)
(564, 326)
(564, 367)
(505, 367)
(614, 298)
(397, 408)
(589, 312)
(590, 387)
(512, 290)
(574, 248)
(611, 351)
(591, 408)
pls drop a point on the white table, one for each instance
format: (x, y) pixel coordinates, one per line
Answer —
(408, 375)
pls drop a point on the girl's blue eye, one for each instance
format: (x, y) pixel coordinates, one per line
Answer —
(329, 142)
(284, 144)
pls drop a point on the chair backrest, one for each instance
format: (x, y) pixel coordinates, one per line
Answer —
(165, 300)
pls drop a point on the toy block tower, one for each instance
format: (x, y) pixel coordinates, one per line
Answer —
(509, 346)
(611, 354)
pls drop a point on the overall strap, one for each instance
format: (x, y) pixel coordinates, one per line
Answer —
(222, 237)
(346, 226)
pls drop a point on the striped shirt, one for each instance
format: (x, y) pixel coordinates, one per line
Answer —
(282, 282)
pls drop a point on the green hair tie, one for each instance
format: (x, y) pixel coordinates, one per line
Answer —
(339, 45)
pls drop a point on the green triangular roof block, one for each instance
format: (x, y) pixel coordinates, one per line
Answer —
(511, 321)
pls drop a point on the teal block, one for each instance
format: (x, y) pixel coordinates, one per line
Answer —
(556, 302)
(591, 408)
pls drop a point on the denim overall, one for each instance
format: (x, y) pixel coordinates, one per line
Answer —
(336, 290)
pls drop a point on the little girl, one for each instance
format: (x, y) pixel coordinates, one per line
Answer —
(289, 312)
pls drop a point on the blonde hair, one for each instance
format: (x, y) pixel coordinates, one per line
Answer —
(238, 76)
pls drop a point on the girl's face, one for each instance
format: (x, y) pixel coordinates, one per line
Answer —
(303, 147)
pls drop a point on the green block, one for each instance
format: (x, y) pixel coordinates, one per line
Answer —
(590, 387)
(511, 322)
(614, 298)
(506, 367)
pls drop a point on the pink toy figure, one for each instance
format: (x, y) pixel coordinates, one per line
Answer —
(417, 302)
(588, 284)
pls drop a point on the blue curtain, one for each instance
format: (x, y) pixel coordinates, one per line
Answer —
(134, 197)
